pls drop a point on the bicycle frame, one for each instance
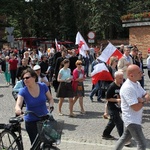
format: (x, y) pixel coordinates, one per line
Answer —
(18, 136)
(13, 129)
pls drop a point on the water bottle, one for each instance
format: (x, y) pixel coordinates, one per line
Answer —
(50, 133)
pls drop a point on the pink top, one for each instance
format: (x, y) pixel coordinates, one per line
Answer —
(75, 76)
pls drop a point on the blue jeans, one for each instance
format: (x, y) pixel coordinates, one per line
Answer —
(97, 87)
(135, 131)
(86, 69)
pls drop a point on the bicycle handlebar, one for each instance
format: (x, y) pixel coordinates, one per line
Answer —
(43, 117)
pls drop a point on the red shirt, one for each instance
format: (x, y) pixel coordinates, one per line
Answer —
(13, 64)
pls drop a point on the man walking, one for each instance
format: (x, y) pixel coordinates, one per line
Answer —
(133, 98)
(113, 105)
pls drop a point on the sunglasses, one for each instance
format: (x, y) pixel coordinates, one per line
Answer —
(38, 70)
(26, 78)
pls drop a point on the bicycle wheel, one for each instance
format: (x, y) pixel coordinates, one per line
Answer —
(9, 141)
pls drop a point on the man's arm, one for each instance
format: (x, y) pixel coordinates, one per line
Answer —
(141, 101)
(118, 100)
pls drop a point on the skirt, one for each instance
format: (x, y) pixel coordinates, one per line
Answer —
(79, 90)
(65, 90)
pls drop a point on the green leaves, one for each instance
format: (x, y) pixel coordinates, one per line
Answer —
(62, 19)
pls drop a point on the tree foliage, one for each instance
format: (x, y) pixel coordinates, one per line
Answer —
(62, 19)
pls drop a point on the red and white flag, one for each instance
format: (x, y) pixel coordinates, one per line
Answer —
(82, 46)
(101, 72)
(109, 51)
(57, 45)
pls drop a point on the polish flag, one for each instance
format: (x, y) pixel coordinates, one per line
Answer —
(82, 46)
(57, 45)
(101, 72)
(109, 51)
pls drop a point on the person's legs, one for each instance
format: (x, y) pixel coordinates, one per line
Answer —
(71, 107)
(109, 127)
(126, 136)
(149, 73)
(118, 122)
(13, 76)
(87, 70)
(75, 99)
(60, 105)
(137, 134)
(81, 104)
(99, 96)
(94, 90)
(8, 77)
(32, 133)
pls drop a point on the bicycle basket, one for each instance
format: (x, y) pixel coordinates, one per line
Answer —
(50, 130)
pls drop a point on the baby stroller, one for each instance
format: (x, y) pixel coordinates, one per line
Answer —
(19, 84)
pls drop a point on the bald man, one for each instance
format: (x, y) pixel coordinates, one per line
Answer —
(133, 98)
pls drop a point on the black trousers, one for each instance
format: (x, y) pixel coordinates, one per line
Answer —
(31, 128)
(115, 120)
(13, 76)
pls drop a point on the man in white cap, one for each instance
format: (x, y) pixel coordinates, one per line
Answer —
(41, 77)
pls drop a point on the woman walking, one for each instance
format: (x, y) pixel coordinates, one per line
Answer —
(65, 88)
(7, 72)
(77, 84)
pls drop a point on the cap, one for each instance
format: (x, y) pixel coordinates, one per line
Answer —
(36, 67)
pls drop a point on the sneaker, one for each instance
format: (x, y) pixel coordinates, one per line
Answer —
(100, 101)
(128, 143)
(91, 98)
(108, 137)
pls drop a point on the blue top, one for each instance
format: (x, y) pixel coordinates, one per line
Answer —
(35, 104)
(18, 86)
(66, 73)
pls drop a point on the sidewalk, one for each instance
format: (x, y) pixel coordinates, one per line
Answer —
(80, 133)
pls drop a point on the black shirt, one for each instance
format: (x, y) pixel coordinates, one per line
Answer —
(20, 70)
(113, 92)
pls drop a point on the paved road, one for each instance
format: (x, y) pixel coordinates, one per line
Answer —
(82, 132)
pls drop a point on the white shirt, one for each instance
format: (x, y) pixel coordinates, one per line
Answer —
(44, 78)
(129, 93)
(148, 63)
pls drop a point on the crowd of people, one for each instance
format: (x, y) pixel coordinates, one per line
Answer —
(37, 70)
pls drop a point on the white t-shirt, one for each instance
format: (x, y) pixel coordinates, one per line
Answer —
(129, 93)
(148, 63)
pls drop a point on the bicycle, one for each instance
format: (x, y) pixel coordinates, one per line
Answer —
(11, 136)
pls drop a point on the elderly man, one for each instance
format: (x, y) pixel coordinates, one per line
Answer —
(133, 98)
(125, 61)
(113, 98)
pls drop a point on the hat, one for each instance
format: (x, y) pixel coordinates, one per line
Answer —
(36, 67)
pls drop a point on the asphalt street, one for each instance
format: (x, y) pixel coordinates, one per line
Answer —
(83, 132)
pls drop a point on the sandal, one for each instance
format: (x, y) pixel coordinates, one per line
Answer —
(72, 115)
(60, 114)
(82, 112)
